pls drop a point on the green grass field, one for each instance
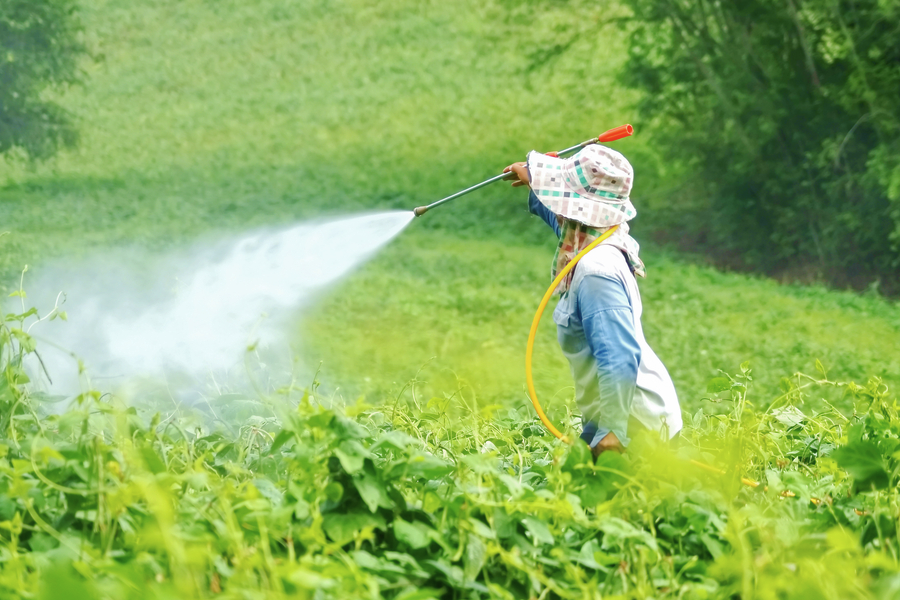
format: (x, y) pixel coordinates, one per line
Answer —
(206, 117)
(462, 308)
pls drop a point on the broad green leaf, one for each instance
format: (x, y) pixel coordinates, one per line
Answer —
(856, 431)
(420, 464)
(579, 455)
(342, 527)
(474, 557)
(366, 560)
(41, 542)
(310, 580)
(352, 456)
(222, 567)
(606, 559)
(618, 530)
(377, 564)
(334, 491)
(432, 502)
(453, 573)
(415, 535)
(540, 533)
(483, 464)
(409, 564)
(798, 483)
(396, 440)
(596, 487)
(718, 384)
(842, 540)
(283, 437)
(152, 460)
(512, 484)
(422, 594)
(713, 545)
(7, 507)
(301, 509)
(482, 529)
(504, 523)
(863, 461)
(592, 487)
(372, 490)
(321, 420)
(60, 580)
(347, 428)
(269, 491)
(586, 556)
(789, 416)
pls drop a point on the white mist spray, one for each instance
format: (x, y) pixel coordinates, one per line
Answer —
(197, 313)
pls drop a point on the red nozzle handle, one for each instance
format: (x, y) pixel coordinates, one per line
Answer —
(617, 133)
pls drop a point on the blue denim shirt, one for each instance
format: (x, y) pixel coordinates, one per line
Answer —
(596, 333)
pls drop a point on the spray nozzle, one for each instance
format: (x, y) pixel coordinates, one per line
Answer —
(616, 133)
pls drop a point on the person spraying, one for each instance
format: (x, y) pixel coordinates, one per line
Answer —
(620, 383)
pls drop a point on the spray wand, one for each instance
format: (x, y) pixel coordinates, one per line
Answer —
(609, 136)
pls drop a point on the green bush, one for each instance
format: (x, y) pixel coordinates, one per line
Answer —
(785, 115)
(39, 47)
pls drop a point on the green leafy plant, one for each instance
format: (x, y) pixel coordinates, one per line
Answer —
(788, 111)
(283, 495)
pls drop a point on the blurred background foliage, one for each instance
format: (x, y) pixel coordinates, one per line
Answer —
(783, 117)
(218, 115)
(39, 47)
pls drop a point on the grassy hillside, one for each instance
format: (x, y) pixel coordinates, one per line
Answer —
(223, 114)
(457, 312)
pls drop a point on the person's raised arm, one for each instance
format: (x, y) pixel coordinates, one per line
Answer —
(518, 173)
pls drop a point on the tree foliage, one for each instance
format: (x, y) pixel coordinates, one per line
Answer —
(787, 112)
(39, 48)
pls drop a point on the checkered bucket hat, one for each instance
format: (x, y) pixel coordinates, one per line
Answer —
(591, 187)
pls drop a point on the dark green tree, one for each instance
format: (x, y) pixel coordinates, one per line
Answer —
(39, 49)
(786, 113)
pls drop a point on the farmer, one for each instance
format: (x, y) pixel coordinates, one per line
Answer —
(620, 383)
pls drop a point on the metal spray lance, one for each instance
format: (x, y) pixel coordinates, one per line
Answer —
(609, 136)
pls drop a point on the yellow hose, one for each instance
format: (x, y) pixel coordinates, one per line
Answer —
(529, 353)
(529, 349)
